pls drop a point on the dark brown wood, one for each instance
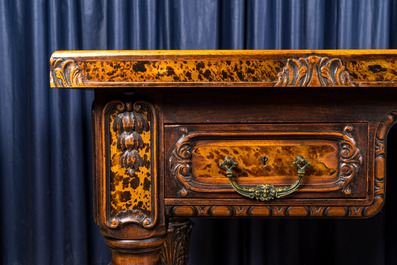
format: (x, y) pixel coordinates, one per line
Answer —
(164, 120)
(176, 247)
(137, 252)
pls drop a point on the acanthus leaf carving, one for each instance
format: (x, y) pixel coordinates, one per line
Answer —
(65, 73)
(314, 71)
(176, 246)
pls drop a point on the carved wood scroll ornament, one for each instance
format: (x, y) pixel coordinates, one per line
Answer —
(350, 159)
(314, 71)
(65, 73)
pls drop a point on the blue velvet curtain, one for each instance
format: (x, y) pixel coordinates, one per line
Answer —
(45, 144)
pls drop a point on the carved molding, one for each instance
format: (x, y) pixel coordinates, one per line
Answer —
(267, 210)
(180, 161)
(65, 73)
(175, 250)
(314, 71)
(129, 124)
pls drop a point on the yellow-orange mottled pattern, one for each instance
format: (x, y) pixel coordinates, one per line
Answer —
(182, 71)
(323, 158)
(129, 192)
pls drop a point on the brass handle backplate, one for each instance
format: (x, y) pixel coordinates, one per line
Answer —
(265, 192)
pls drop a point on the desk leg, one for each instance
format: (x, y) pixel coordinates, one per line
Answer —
(137, 252)
(175, 250)
(128, 196)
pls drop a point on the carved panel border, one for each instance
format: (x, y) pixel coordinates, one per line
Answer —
(125, 159)
(180, 161)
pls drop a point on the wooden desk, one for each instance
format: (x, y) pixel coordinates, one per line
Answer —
(165, 121)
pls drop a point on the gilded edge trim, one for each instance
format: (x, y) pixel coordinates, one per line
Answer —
(130, 216)
(180, 161)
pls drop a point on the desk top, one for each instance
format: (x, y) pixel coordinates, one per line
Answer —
(223, 68)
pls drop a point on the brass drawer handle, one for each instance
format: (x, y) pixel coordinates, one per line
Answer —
(265, 192)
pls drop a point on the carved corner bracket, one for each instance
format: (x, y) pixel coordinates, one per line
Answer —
(314, 71)
(65, 73)
(131, 142)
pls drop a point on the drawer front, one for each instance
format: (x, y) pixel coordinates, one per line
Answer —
(336, 182)
(265, 154)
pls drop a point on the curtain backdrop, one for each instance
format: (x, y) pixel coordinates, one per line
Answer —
(45, 142)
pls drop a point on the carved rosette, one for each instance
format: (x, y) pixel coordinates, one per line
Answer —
(175, 250)
(131, 170)
(314, 71)
(350, 159)
(65, 73)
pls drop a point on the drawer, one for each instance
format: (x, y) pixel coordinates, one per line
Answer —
(337, 178)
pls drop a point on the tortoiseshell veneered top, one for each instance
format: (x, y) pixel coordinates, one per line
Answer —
(254, 68)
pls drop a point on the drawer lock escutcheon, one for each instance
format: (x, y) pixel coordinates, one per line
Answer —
(265, 192)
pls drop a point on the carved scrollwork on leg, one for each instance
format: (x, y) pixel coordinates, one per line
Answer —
(314, 71)
(175, 250)
(65, 73)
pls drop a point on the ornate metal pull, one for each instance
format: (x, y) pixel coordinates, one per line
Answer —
(265, 192)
